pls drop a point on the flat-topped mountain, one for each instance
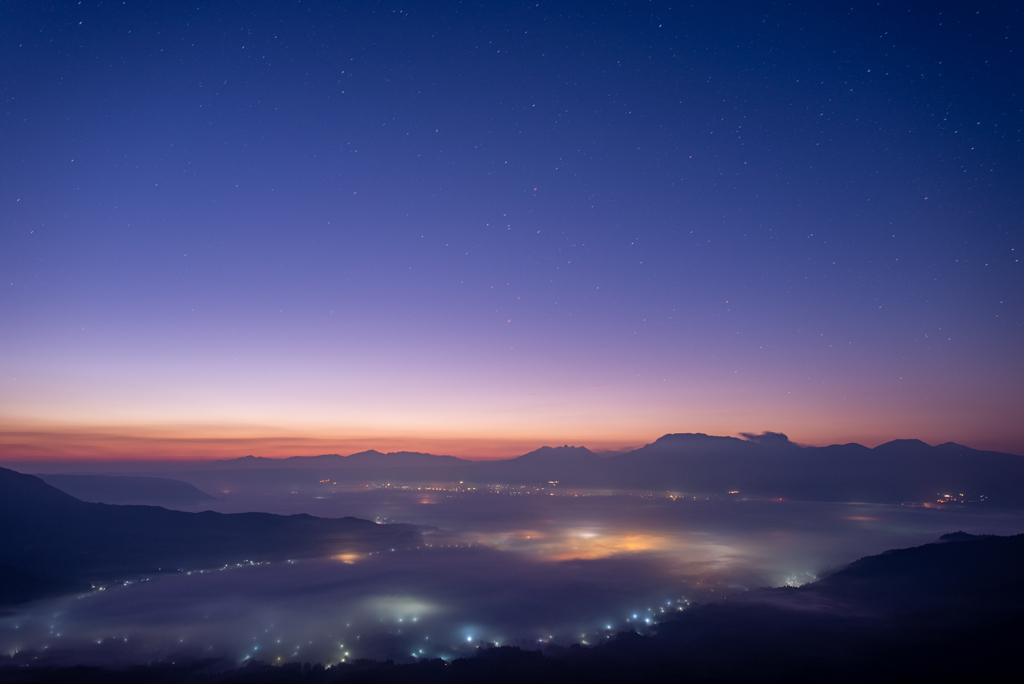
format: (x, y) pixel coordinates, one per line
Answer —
(905, 470)
(763, 465)
(771, 465)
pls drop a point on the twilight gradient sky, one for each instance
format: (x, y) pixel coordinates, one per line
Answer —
(473, 228)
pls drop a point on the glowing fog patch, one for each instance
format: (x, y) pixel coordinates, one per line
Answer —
(592, 545)
(400, 608)
(578, 543)
(347, 558)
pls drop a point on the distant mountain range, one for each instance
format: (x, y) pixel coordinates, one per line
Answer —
(760, 465)
(51, 539)
(363, 459)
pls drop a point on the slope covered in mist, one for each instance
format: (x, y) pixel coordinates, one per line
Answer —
(47, 531)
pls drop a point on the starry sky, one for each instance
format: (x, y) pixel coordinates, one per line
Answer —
(474, 228)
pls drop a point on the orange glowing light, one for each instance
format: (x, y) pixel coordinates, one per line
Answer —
(347, 558)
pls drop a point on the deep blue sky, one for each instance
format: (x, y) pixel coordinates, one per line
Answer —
(476, 226)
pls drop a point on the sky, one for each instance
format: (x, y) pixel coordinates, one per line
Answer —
(475, 228)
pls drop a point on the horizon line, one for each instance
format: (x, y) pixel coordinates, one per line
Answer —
(182, 450)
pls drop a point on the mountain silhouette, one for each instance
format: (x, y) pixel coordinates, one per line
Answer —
(570, 455)
(363, 459)
(52, 533)
(124, 489)
(762, 465)
(894, 472)
(772, 466)
(542, 465)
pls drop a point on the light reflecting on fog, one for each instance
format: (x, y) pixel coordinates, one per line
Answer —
(494, 568)
(589, 543)
(456, 598)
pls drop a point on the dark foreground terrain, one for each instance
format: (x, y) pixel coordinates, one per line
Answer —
(950, 611)
(53, 543)
(129, 490)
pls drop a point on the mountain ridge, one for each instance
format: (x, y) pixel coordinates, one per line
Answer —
(54, 535)
(764, 465)
(128, 489)
(370, 458)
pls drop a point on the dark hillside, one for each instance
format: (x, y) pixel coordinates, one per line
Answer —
(123, 489)
(48, 531)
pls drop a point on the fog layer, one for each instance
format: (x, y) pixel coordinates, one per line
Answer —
(504, 565)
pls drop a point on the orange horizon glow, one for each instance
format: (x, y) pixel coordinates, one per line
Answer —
(341, 285)
(467, 402)
(198, 444)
